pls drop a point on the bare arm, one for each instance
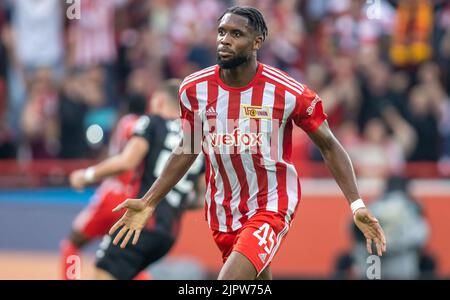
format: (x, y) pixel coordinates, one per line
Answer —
(130, 157)
(337, 161)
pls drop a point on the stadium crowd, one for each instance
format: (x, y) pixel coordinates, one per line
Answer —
(381, 67)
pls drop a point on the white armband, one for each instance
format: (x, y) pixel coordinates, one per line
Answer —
(89, 175)
(357, 204)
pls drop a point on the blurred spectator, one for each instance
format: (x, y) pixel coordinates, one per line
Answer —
(34, 40)
(422, 118)
(92, 42)
(340, 48)
(379, 153)
(351, 25)
(7, 145)
(39, 120)
(442, 45)
(80, 93)
(411, 40)
(375, 92)
(406, 231)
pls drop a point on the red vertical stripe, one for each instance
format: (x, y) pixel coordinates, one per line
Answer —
(287, 150)
(281, 172)
(227, 193)
(234, 106)
(261, 173)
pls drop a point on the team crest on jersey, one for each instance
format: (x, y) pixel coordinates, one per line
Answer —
(256, 112)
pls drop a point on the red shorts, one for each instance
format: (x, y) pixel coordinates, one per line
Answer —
(258, 239)
(97, 218)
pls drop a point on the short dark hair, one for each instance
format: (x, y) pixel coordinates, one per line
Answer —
(254, 16)
(137, 103)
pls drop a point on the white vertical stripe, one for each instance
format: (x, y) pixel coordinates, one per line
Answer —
(269, 163)
(235, 192)
(202, 95)
(202, 98)
(246, 157)
(208, 198)
(235, 186)
(185, 100)
(291, 173)
(219, 195)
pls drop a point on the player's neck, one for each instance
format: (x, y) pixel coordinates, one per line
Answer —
(241, 75)
(168, 113)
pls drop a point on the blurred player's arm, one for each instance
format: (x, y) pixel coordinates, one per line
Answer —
(130, 157)
(340, 165)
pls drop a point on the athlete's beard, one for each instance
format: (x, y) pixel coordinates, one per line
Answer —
(233, 62)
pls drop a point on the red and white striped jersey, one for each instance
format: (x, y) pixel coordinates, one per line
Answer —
(246, 137)
(127, 182)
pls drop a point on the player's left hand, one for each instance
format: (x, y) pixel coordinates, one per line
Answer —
(132, 221)
(371, 229)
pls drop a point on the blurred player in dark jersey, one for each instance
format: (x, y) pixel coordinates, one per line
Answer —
(153, 138)
(96, 219)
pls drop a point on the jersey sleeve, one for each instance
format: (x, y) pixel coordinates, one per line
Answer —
(144, 128)
(308, 113)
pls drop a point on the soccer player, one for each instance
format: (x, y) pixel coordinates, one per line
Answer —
(94, 221)
(155, 137)
(128, 149)
(242, 112)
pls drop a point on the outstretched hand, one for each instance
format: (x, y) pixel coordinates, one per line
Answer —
(371, 229)
(76, 179)
(132, 221)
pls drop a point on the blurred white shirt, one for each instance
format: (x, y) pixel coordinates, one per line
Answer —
(38, 31)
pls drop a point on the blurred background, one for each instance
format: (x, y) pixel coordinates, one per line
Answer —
(68, 69)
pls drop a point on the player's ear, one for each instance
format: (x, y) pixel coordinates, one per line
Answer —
(257, 43)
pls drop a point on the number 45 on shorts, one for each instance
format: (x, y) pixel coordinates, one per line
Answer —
(265, 234)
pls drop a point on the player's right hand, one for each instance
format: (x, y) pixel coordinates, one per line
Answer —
(132, 221)
(76, 179)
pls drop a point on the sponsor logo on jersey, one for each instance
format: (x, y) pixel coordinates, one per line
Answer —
(236, 138)
(310, 108)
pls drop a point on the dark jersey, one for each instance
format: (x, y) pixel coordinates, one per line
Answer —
(163, 136)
